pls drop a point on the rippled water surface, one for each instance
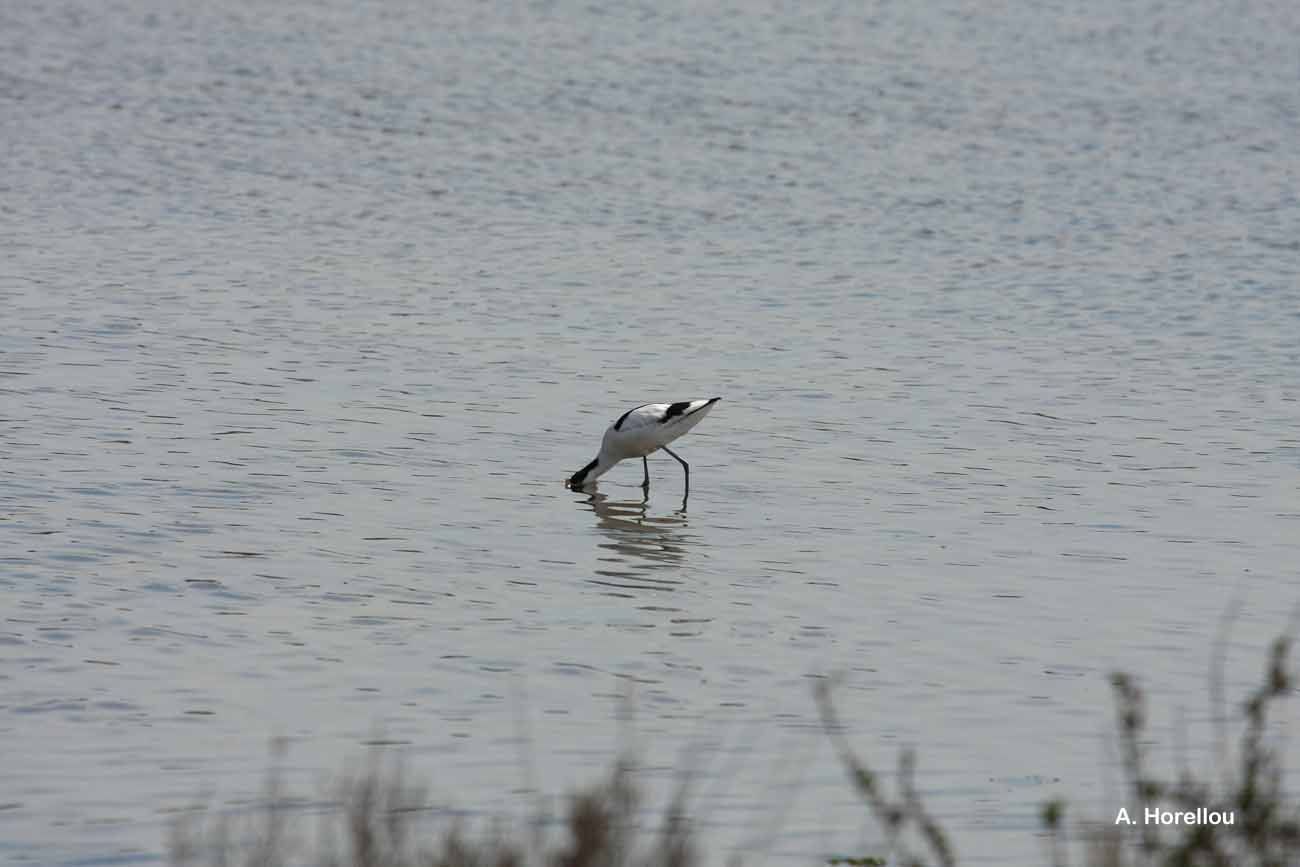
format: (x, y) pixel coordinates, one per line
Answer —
(306, 310)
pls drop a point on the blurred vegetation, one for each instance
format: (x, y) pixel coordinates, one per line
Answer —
(1266, 823)
(381, 820)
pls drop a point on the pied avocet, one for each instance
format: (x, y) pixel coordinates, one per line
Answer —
(641, 431)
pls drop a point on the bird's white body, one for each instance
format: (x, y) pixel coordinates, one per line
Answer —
(642, 431)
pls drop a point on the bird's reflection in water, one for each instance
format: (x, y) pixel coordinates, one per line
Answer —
(643, 552)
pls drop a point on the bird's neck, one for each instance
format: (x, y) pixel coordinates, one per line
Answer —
(603, 464)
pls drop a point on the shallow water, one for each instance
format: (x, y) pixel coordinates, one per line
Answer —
(310, 308)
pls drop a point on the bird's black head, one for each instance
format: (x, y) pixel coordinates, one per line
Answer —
(578, 479)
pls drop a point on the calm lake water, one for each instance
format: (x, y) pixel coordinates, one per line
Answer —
(308, 308)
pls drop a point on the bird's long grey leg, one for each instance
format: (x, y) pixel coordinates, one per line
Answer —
(646, 482)
(685, 466)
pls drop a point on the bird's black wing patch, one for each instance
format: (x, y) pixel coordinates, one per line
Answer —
(618, 425)
(676, 409)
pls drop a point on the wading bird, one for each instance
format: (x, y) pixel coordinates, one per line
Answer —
(642, 431)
